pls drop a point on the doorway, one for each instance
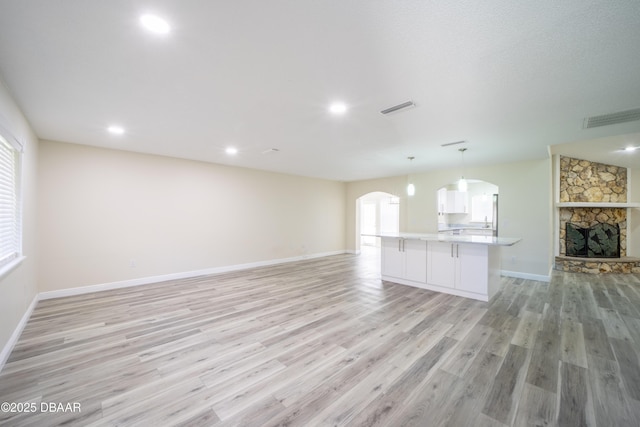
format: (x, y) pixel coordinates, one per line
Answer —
(379, 213)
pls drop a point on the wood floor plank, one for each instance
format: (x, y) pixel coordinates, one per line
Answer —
(629, 366)
(347, 405)
(378, 412)
(501, 401)
(572, 347)
(342, 381)
(543, 367)
(325, 342)
(467, 351)
(468, 400)
(463, 321)
(613, 324)
(611, 404)
(537, 407)
(595, 338)
(575, 409)
(525, 333)
(500, 338)
(431, 405)
(633, 326)
(537, 301)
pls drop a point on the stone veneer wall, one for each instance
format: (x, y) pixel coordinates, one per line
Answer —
(585, 181)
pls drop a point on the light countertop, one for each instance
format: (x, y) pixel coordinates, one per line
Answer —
(455, 238)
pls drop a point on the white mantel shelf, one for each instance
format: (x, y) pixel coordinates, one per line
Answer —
(597, 205)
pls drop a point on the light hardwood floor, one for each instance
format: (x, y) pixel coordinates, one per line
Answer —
(325, 342)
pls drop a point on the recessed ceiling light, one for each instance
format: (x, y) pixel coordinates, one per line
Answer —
(338, 108)
(232, 151)
(630, 148)
(115, 130)
(155, 24)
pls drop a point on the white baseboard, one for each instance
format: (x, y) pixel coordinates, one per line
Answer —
(6, 351)
(176, 276)
(528, 276)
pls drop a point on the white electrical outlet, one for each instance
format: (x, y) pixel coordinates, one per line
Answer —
(132, 263)
(513, 260)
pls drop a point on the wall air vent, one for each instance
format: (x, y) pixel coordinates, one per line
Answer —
(398, 107)
(612, 119)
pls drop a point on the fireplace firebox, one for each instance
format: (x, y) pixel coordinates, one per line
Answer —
(598, 241)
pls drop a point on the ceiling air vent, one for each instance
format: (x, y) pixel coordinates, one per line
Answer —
(612, 119)
(448, 144)
(398, 107)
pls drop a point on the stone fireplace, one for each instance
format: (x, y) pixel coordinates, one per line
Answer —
(590, 217)
(592, 199)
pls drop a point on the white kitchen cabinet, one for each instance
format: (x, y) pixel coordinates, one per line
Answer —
(442, 264)
(457, 201)
(463, 268)
(467, 266)
(404, 259)
(393, 259)
(452, 201)
(415, 260)
(442, 201)
(472, 269)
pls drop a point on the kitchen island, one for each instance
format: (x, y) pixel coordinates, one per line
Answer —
(464, 265)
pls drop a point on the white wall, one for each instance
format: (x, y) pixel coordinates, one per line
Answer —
(524, 208)
(18, 288)
(101, 209)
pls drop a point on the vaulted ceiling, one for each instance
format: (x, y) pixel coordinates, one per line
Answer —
(509, 77)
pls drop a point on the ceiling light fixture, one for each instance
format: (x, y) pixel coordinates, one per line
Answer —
(232, 151)
(462, 183)
(630, 148)
(115, 130)
(411, 189)
(337, 108)
(155, 24)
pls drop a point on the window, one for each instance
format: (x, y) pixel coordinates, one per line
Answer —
(10, 218)
(481, 208)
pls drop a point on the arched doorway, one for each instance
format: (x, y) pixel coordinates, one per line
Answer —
(378, 212)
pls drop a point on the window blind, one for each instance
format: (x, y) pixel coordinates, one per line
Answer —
(10, 240)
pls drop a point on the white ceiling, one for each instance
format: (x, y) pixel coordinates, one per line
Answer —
(511, 77)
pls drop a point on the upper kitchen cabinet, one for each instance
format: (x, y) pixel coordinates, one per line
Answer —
(452, 201)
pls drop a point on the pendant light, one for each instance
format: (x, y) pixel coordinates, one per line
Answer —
(411, 189)
(462, 183)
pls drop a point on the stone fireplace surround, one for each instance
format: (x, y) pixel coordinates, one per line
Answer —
(585, 191)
